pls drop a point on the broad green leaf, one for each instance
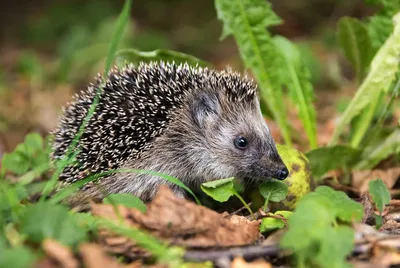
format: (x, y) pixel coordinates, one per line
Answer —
(136, 56)
(354, 39)
(382, 72)
(379, 193)
(390, 146)
(45, 220)
(325, 159)
(271, 224)
(127, 200)
(344, 208)
(19, 257)
(247, 21)
(219, 190)
(274, 190)
(308, 222)
(299, 86)
(336, 246)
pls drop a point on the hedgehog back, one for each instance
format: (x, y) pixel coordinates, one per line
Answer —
(135, 106)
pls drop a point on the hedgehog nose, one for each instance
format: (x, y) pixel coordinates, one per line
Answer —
(282, 173)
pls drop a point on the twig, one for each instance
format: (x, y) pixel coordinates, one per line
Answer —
(248, 252)
(240, 209)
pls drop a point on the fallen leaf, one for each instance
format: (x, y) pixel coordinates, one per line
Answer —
(94, 256)
(362, 177)
(181, 222)
(239, 262)
(61, 254)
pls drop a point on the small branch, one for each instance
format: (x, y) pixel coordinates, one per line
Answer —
(240, 209)
(248, 252)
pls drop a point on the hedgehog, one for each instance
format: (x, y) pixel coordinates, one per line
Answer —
(193, 123)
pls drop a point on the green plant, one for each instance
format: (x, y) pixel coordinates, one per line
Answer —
(221, 190)
(318, 231)
(275, 62)
(381, 197)
(32, 154)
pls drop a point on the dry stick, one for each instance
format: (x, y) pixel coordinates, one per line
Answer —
(248, 252)
(253, 252)
(240, 209)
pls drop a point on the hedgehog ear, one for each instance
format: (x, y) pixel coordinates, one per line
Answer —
(204, 107)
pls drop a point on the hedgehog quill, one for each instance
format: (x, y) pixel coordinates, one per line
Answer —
(196, 124)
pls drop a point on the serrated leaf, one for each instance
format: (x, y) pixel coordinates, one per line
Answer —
(382, 72)
(219, 190)
(325, 159)
(127, 200)
(379, 193)
(354, 39)
(390, 146)
(136, 56)
(344, 208)
(247, 20)
(45, 220)
(274, 190)
(299, 86)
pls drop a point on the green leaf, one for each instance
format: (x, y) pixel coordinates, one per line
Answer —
(247, 20)
(354, 39)
(45, 220)
(325, 159)
(390, 146)
(127, 200)
(344, 208)
(136, 56)
(19, 257)
(219, 190)
(270, 224)
(383, 68)
(379, 193)
(299, 86)
(274, 190)
(15, 162)
(313, 234)
(337, 245)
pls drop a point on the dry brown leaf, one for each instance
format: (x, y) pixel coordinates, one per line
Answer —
(239, 262)
(362, 177)
(184, 223)
(94, 256)
(61, 254)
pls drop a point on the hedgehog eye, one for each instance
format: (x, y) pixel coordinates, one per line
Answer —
(241, 142)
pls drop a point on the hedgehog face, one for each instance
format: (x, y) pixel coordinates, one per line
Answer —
(236, 139)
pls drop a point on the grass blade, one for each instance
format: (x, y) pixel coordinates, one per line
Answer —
(71, 150)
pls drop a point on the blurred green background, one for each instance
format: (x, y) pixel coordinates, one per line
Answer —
(51, 49)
